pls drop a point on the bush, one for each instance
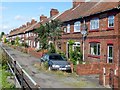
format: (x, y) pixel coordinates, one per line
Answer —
(5, 40)
(52, 48)
(44, 65)
(25, 45)
(76, 56)
(12, 42)
(62, 54)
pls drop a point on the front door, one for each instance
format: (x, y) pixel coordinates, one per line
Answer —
(110, 54)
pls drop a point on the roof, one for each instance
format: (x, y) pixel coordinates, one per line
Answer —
(87, 9)
(32, 27)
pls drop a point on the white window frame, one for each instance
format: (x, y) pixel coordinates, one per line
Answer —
(65, 29)
(34, 43)
(76, 44)
(109, 17)
(108, 57)
(77, 26)
(27, 34)
(68, 28)
(92, 49)
(94, 24)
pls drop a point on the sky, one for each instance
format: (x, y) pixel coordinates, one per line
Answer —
(15, 14)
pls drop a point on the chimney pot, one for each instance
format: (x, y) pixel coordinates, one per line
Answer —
(53, 12)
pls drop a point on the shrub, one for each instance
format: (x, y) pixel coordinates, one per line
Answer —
(12, 42)
(76, 56)
(5, 40)
(62, 54)
(25, 45)
(45, 65)
(52, 48)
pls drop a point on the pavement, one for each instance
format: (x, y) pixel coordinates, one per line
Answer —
(51, 80)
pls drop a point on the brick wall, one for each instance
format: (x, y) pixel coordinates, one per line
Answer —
(30, 51)
(87, 69)
(36, 54)
(97, 68)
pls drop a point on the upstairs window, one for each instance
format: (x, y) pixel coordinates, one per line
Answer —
(94, 24)
(65, 29)
(68, 28)
(77, 26)
(111, 21)
(95, 49)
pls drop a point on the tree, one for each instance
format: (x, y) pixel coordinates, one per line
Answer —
(55, 31)
(17, 41)
(42, 36)
(50, 31)
(1, 35)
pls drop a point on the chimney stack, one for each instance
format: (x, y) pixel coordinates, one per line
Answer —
(28, 24)
(42, 17)
(53, 12)
(77, 2)
(33, 21)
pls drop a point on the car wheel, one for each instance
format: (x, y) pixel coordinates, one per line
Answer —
(49, 68)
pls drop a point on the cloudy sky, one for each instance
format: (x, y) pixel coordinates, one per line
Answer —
(15, 14)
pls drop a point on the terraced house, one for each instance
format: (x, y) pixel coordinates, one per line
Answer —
(102, 21)
(102, 41)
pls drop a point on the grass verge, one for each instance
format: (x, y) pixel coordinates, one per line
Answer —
(3, 79)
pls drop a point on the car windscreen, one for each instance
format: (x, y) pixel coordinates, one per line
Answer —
(55, 57)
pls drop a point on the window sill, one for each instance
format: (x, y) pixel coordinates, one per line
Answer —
(76, 32)
(94, 56)
(95, 30)
(110, 28)
(65, 33)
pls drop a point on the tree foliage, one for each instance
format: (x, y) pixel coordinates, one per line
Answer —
(17, 41)
(50, 31)
(1, 35)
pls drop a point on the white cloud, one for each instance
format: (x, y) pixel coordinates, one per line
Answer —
(19, 17)
(23, 18)
(5, 28)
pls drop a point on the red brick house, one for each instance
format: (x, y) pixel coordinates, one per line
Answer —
(102, 32)
(103, 38)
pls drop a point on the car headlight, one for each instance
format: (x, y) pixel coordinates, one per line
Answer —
(56, 66)
(67, 66)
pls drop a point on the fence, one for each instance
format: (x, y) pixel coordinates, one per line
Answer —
(22, 78)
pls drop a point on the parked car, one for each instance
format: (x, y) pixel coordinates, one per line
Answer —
(56, 62)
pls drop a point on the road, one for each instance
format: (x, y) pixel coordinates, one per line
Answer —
(52, 80)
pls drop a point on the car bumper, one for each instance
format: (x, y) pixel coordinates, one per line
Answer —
(62, 69)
